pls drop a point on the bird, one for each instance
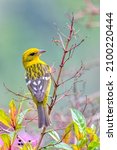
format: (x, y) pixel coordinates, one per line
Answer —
(38, 81)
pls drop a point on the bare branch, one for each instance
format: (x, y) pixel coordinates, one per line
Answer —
(41, 138)
(17, 94)
(66, 50)
(77, 74)
(85, 105)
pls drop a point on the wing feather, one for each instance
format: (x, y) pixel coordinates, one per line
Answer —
(38, 86)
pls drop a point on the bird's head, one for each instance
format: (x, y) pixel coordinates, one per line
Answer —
(31, 56)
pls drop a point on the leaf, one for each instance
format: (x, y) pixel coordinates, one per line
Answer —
(13, 113)
(75, 147)
(92, 134)
(61, 145)
(27, 146)
(93, 145)
(4, 118)
(95, 138)
(90, 130)
(20, 106)
(54, 135)
(67, 133)
(81, 143)
(79, 119)
(20, 116)
(13, 135)
(6, 140)
(76, 131)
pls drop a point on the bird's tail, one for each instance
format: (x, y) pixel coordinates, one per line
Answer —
(43, 117)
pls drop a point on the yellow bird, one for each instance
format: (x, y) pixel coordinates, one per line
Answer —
(38, 81)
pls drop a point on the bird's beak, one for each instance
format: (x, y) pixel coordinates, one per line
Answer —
(42, 51)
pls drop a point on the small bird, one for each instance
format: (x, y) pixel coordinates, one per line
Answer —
(38, 81)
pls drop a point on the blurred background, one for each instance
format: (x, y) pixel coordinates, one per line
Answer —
(34, 23)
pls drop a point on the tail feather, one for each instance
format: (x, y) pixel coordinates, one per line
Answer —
(43, 117)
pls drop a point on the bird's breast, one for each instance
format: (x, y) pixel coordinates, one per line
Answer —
(37, 70)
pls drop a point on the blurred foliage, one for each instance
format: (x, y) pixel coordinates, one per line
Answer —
(34, 23)
(15, 118)
(77, 135)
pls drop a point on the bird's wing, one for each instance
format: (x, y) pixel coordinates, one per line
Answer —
(38, 87)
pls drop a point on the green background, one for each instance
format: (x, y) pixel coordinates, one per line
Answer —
(33, 23)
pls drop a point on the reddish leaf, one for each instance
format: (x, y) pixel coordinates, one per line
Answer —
(13, 113)
(67, 133)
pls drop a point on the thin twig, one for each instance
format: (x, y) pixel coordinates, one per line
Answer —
(49, 145)
(85, 105)
(61, 66)
(41, 138)
(4, 130)
(17, 94)
(77, 74)
(76, 45)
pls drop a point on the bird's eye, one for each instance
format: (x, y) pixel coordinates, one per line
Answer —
(32, 54)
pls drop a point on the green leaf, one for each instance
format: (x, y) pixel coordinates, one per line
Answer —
(61, 145)
(4, 118)
(93, 145)
(54, 135)
(81, 143)
(13, 135)
(20, 116)
(20, 106)
(6, 140)
(79, 119)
